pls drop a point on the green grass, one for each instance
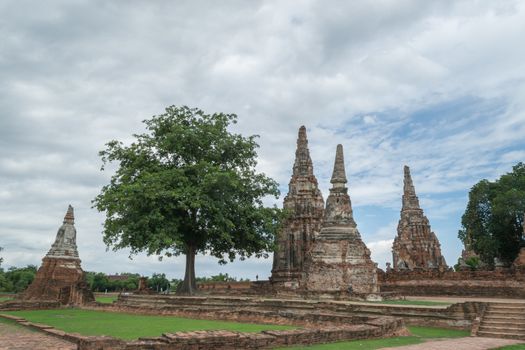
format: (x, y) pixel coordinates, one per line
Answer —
(5, 299)
(419, 335)
(512, 347)
(413, 302)
(106, 299)
(370, 344)
(129, 326)
(9, 322)
(432, 332)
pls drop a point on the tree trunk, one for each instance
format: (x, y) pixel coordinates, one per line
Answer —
(188, 286)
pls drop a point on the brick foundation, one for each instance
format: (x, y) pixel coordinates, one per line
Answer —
(504, 283)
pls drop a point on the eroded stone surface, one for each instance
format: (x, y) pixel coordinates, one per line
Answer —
(61, 278)
(305, 204)
(415, 246)
(340, 261)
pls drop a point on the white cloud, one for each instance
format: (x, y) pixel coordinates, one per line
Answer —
(436, 85)
(381, 251)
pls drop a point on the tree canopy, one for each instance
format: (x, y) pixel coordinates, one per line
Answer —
(188, 185)
(492, 224)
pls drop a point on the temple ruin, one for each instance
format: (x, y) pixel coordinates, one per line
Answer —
(61, 278)
(340, 261)
(304, 204)
(415, 246)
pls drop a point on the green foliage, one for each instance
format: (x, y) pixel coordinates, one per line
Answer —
(159, 282)
(188, 186)
(130, 326)
(492, 224)
(100, 282)
(473, 262)
(16, 280)
(221, 277)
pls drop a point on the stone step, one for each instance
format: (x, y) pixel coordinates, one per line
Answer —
(502, 328)
(507, 335)
(489, 323)
(504, 312)
(510, 319)
(505, 308)
(505, 315)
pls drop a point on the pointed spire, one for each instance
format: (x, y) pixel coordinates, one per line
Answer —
(70, 216)
(410, 200)
(339, 174)
(65, 245)
(303, 162)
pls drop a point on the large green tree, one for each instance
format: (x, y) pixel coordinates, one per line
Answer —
(492, 224)
(188, 185)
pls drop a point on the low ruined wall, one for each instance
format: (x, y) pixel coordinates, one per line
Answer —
(505, 283)
(236, 288)
(295, 311)
(228, 340)
(15, 305)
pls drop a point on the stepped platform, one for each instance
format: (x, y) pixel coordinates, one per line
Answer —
(503, 320)
(297, 311)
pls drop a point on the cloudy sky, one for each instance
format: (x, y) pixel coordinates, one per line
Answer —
(436, 85)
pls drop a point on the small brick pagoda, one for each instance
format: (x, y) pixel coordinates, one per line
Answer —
(340, 261)
(415, 246)
(305, 204)
(60, 278)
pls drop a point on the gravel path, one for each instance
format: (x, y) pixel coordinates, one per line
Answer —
(469, 343)
(14, 337)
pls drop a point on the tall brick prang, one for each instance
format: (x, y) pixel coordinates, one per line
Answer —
(304, 203)
(61, 278)
(415, 245)
(340, 261)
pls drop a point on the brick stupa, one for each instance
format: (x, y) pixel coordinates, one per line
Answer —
(304, 203)
(340, 261)
(415, 246)
(60, 278)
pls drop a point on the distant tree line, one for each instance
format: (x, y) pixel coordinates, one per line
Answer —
(221, 277)
(17, 279)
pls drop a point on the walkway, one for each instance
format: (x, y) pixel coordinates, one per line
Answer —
(469, 343)
(14, 337)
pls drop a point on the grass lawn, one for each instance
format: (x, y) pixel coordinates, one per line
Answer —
(512, 347)
(419, 335)
(130, 326)
(413, 302)
(5, 299)
(106, 299)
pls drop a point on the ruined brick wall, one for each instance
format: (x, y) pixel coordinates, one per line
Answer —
(293, 312)
(509, 283)
(229, 340)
